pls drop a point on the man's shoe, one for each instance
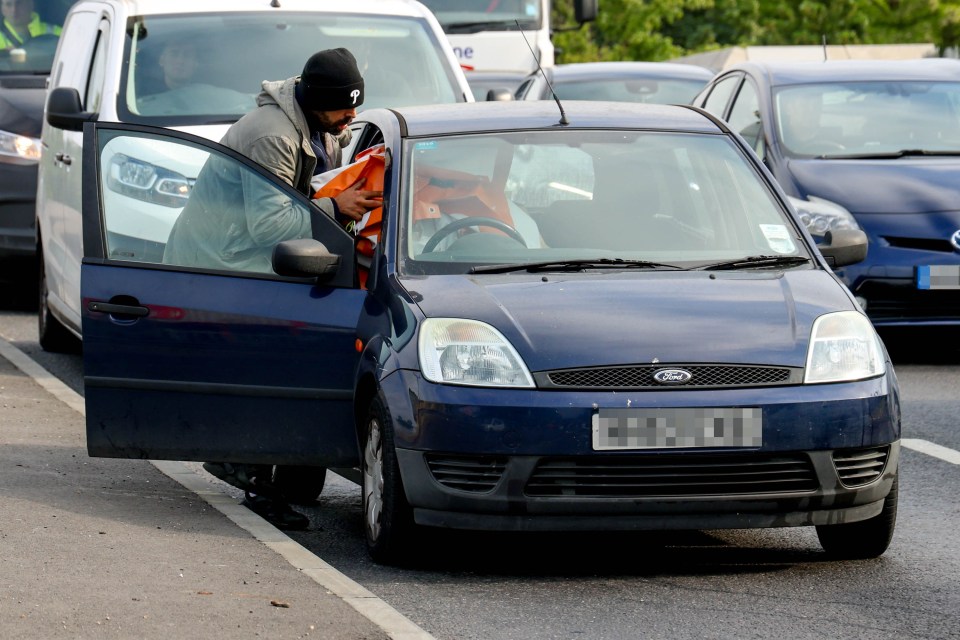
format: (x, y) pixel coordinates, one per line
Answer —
(276, 512)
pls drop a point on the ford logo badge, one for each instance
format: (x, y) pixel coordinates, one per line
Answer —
(672, 376)
(955, 239)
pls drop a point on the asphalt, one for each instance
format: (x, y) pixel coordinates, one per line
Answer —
(104, 548)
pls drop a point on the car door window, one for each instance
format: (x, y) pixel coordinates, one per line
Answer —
(745, 117)
(98, 69)
(172, 202)
(719, 96)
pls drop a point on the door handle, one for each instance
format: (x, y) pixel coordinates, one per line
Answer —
(135, 311)
(62, 157)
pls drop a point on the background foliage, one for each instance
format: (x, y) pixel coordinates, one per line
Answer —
(664, 29)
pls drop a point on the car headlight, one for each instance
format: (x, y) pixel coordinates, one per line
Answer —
(147, 182)
(843, 347)
(819, 215)
(17, 149)
(469, 352)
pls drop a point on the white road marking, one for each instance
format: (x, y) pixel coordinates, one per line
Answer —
(393, 623)
(937, 451)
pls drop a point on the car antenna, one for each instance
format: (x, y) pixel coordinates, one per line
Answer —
(824, 39)
(563, 115)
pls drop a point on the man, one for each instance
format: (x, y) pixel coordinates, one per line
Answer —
(20, 23)
(297, 130)
(178, 61)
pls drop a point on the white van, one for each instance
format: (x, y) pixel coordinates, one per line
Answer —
(196, 66)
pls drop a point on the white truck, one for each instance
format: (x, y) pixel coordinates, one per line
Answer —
(484, 33)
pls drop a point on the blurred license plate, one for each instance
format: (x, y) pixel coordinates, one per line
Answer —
(676, 428)
(940, 276)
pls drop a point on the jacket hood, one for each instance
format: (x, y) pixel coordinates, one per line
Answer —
(906, 185)
(283, 94)
(620, 319)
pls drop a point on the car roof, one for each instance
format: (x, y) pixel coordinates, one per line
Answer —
(478, 117)
(578, 71)
(786, 73)
(156, 7)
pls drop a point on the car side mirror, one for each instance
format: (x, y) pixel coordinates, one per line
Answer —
(844, 246)
(500, 94)
(65, 110)
(304, 258)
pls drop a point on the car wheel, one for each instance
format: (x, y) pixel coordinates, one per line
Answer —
(53, 335)
(864, 539)
(299, 485)
(388, 519)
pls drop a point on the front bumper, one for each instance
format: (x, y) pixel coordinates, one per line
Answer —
(518, 460)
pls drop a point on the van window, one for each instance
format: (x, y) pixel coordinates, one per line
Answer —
(202, 69)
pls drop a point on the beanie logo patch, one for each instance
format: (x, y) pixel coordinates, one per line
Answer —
(355, 94)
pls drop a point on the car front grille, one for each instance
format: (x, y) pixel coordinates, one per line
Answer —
(859, 467)
(476, 474)
(641, 377)
(673, 476)
(888, 300)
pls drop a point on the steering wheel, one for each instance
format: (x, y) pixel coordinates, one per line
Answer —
(471, 221)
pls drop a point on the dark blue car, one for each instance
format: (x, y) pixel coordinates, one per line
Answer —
(865, 145)
(607, 319)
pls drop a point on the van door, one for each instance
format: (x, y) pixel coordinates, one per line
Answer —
(80, 64)
(186, 359)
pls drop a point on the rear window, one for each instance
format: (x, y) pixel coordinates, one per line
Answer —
(208, 68)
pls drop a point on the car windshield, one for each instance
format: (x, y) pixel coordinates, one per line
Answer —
(29, 32)
(460, 16)
(203, 69)
(869, 118)
(608, 199)
(654, 90)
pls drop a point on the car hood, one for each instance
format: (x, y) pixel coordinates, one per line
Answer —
(906, 185)
(563, 321)
(21, 109)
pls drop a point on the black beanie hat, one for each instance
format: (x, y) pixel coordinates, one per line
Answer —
(331, 81)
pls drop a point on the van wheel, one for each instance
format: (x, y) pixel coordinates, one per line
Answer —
(864, 539)
(53, 335)
(299, 485)
(387, 517)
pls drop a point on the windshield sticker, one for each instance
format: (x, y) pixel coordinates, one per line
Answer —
(778, 238)
(421, 146)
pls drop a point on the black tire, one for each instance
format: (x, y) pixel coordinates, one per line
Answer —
(864, 539)
(54, 337)
(387, 517)
(299, 485)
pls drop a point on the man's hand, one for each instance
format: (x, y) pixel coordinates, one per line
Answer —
(353, 202)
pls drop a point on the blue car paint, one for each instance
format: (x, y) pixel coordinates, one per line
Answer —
(916, 198)
(244, 351)
(581, 320)
(260, 333)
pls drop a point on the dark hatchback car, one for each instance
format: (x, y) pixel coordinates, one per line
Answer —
(865, 145)
(24, 68)
(652, 82)
(615, 323)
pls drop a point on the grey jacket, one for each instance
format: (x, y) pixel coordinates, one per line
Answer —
(234, 218)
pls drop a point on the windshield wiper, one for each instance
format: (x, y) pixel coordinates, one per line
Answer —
(573, 265)
(889, 155)
(487, 25)
(755, 261)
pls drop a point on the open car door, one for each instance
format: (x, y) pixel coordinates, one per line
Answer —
(207, 362)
